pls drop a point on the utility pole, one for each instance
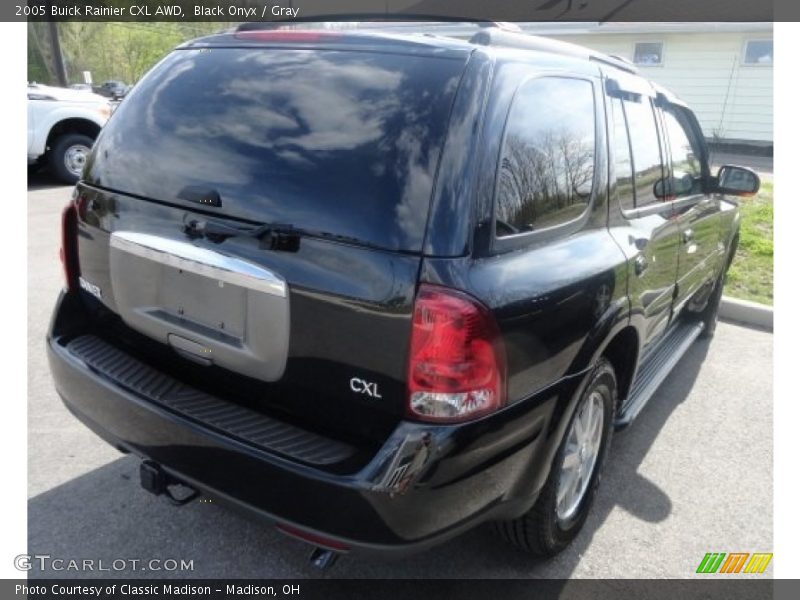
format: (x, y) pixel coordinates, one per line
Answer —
(58, 59)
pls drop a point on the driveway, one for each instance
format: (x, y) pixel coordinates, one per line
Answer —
(692, 475)
(760, 164)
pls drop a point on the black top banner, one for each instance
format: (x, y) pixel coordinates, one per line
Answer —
(406, 10)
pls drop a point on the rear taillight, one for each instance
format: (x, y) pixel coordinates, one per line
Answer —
(456, 368)
(69, 246)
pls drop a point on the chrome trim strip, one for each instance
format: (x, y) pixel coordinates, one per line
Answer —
(201, 261)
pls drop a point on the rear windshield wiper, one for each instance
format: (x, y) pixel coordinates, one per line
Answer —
(270, 236)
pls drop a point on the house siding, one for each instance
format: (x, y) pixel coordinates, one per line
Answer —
(732, 100)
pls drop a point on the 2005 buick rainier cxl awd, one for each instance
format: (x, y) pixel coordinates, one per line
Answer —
(379, 289)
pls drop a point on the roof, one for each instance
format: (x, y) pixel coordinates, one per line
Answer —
(400, 37)
(641, 28)
(466, 30)
(358, 38)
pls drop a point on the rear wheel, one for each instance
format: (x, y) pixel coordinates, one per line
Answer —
(564, 502)
(68, 156)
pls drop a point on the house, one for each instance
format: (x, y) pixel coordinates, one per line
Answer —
(722, 70)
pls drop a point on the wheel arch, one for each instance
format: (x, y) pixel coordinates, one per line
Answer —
(78, 125)
(622, 351)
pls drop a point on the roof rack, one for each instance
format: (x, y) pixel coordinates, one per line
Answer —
(368, 20)
(623, 59)
(493, 36)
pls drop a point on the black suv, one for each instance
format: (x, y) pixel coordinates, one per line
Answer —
(379, 289)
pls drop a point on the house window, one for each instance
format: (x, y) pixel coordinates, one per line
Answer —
(758, 52)
(648, 53)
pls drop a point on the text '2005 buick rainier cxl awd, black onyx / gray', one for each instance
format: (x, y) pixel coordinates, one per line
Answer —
(379, 289)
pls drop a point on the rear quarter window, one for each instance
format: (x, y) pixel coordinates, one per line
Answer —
(547, 162)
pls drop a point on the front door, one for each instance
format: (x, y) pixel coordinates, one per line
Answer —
(641, 221)
(697, 213)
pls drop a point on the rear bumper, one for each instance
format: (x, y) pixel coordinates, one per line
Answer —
(425, 484)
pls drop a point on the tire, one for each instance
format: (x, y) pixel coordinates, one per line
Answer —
(68, 155)
(710, 314)
(546, 530)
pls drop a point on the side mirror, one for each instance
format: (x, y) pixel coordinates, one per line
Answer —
(660, 189)
(668, 188)
(737, 181)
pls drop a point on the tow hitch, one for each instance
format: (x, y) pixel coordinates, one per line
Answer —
(156, 481)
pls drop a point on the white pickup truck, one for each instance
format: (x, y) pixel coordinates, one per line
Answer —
(62, 126)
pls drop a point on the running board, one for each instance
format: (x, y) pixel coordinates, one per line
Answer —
(655, 369)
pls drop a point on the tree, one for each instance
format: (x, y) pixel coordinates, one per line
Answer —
(122, 51)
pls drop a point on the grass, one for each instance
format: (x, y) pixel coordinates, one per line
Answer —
(750, 275)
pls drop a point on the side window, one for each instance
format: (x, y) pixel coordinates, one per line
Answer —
(645, 149)
(623, 164)
(546, 170)
(685, 156)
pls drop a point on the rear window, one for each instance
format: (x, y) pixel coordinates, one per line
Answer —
(339, 142)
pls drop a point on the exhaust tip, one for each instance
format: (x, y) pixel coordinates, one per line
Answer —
(322, 558)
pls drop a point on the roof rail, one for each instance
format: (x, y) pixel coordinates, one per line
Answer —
(368, 20)
(504, 25)
(623, 59)
(506, 39)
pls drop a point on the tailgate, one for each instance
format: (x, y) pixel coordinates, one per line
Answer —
(338, 147)
(210, 306)
(320, 332)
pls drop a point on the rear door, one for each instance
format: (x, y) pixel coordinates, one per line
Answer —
(641, 221)
(697, 213)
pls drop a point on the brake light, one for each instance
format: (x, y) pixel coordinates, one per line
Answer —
(456, 368)
(69, 246)
(287, 35)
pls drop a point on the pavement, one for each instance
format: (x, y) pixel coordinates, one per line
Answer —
(760, 164)
(692, 475)
(763, 165)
